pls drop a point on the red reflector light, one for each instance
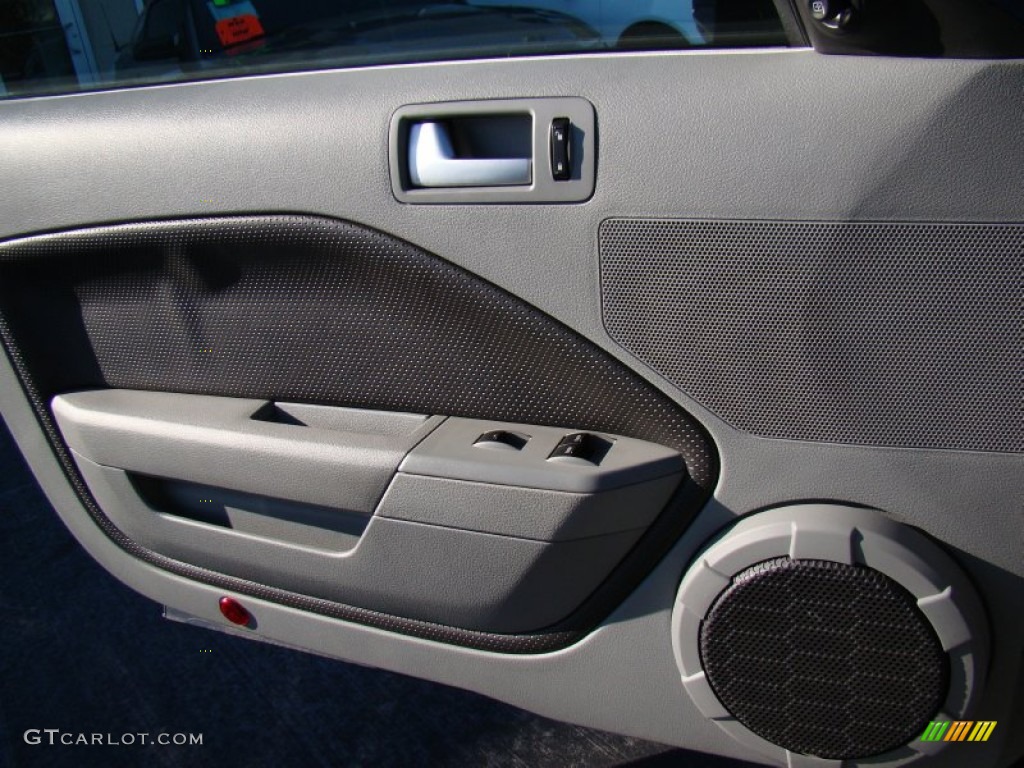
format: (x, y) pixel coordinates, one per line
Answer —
(233, 611)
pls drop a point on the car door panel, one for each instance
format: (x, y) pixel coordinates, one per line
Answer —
(524, 314)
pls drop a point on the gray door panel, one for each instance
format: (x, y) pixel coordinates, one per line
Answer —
(201, 480)
(790, 136)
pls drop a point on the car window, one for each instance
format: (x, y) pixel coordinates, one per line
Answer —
(65, 45)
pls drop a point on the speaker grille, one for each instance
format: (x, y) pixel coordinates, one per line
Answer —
(823, 658)
(893, 334)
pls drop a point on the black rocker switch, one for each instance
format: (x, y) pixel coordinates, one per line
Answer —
(502, 440)
(561, 129)
(582, 445)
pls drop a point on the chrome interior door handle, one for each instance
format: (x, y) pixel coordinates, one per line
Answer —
(433, 163)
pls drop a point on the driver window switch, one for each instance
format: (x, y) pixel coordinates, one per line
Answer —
(581, 445)
(502, 440)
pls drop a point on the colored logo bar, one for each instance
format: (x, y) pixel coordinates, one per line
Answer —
(958, 730)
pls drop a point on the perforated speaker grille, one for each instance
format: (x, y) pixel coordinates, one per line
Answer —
(891, 334)
(823, 658)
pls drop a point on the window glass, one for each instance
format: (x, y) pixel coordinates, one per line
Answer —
(51, 46)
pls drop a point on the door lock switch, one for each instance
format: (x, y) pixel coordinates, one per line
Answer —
(582, 445)
(561, 130)
(502, 440)
(834, 14)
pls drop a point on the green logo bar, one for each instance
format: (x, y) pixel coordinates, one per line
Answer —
(935, 730)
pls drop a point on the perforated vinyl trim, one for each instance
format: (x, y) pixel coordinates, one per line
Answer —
(302, 308)
(892, 334)
(824, 658)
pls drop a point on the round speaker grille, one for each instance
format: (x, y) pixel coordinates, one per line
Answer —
(823, 658)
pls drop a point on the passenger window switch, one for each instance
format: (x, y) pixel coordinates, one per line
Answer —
(582, 445)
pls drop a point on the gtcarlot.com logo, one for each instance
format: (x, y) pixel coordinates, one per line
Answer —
(55, 736)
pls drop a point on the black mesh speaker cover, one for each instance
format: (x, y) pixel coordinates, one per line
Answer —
(302, 308)
(823, 658)
(893, 334)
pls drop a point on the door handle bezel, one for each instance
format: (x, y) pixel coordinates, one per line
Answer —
(542, 187)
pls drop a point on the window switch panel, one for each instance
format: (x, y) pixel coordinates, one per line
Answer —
(452, 451)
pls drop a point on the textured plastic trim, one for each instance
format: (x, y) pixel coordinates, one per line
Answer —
(678, 428)
(848, 535)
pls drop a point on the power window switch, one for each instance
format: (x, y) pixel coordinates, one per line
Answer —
(502, 440)
(582, 445)
(570, 450)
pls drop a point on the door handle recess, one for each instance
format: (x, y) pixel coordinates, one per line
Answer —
(433, 162)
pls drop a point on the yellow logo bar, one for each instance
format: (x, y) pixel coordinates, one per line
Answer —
(982, 730)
